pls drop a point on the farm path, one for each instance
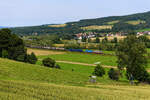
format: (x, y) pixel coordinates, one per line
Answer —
(78, 63)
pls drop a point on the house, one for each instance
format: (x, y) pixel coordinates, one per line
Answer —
(110, 34)
(143, 33)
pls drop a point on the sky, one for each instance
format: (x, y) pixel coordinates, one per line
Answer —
(38, 12)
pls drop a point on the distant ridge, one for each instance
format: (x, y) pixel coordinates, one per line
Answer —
(125, 23)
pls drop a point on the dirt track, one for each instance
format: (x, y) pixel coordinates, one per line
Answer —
(77, 63)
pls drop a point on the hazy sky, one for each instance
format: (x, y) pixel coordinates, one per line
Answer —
(37, 12)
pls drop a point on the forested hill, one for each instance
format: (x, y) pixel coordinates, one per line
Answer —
(100, 25)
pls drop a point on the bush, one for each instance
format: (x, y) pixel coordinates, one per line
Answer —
(141, 75)
(114, 74)
(49, 62)
(32, 59)
(99, 71)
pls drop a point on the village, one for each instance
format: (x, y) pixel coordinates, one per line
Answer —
(88, 35)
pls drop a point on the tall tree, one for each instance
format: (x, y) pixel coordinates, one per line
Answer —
(11, 46)
(131, 55)
(4, 39)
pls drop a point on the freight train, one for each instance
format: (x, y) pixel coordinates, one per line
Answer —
(71, 50)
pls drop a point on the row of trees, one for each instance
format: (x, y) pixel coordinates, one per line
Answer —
(12, 47)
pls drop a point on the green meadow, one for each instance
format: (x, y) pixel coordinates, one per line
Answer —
(84, 58)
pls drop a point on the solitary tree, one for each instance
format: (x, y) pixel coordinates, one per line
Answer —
(131, 55)
(49, 62)
(99, 71)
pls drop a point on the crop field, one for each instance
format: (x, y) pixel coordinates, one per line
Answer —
(59, 45)
(97, 27)
(39, 52)
(21, 90)
(113, 22)
(57, 26)
(112, 37)
(136, 22)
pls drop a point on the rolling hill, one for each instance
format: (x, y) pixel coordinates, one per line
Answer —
(100, 25)
(22, 81)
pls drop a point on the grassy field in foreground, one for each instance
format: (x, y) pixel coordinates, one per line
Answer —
(20, 90)
(22, 81)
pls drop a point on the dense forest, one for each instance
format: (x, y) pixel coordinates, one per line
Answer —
(100, 25)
